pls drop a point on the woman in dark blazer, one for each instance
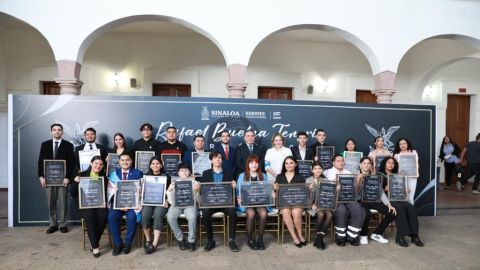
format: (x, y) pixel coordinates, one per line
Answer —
(95, 218)
(292, 216)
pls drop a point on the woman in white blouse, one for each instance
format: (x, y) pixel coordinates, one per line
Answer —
(275, 156)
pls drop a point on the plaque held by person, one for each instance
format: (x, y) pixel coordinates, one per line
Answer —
(91, 193)
(184, 194)
(293, 195)
(112, 162)
(326, 195)
(54, 172)
(397, 187)
(170, 163)
(256, 194)
(153, 190)
(200, 163)
(347, 193)
(127, 195)
(142, 160)
(216, 195)
(352, 161)
(325, 155)
(372, 188)
(85, 156)
(305, 168)
(408, 165)
(377, 161)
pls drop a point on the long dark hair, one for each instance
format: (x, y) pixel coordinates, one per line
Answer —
(384, 163)
(397, 145)
(246, 176)
(284, 170)
(351, 140)
(362, 160)
(150, 171)
(123, 138)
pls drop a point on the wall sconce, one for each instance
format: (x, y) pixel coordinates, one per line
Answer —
(116, 79)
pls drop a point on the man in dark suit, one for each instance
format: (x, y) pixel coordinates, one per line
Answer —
(321, 137)
(58, 149)
(244, 150)
(227, 151)
(90, 137)
(217, 174)
(125, 172)
(302, 151)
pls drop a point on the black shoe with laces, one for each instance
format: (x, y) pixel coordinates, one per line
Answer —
(209, 246)
(260, 245)
(117, 249)
(126, 249)
(340, 241)
(416, 240)
(401, 242)
(251, 244)
(191, 247)
(233, 246)
(148, 248)
(182, 244)
(353, 241)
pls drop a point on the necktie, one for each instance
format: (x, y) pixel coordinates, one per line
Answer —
(55, 150)
(91, 148)
(124, 176)
(250, 147)
(226, 152)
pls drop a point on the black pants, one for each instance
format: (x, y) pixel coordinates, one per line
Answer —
(382, 209)
(207, 221)
(449, 169)
(407, 220)
(95, 219)
(475, 167)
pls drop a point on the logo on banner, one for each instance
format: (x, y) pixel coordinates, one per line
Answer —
(205, 113)
(255, 115)
(386, 135)
(277, 115)
(76, 132)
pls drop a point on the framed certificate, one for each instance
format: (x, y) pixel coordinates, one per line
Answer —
(305, 168)
(85, 156)
(352, 161)
(127, 195)
(347, 192)
(293, 195)
(200, 163)
(378, 160)
(54, 171)
(153, 190)
(112, 162)
(170, 163)
(91, 193)
(216, 195)
(397, 187)
(256, 194)
(142, 160)
(325, 155)
(184, 196)
(408, 164)
(326, 195)
(372, 188)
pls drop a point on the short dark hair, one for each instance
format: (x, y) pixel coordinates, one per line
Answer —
(478, 137)
(125, 153)
(316, 163)
(224, 131)
(55, 125)
(172, 127)
(319, 130)
(198, 136)
(96, 158)
(335, 157)
(250, 130)
(146, 125)
(183, 165)
(302, 133)
(214, 154)
(90, 129)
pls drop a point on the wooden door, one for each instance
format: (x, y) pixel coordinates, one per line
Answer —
(271, 92)
(50, 88)
(365, 96)
(171, 90)
(458, 119)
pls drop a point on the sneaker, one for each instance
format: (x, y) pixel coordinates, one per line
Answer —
(364, 240)
(475, 191)
(379, 238)
(148, 248)
(182, 244)
(459, 186)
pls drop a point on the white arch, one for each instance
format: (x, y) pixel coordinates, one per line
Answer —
(90, 38)
(357, 42)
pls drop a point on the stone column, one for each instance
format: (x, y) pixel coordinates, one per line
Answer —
(68, 77)
(237, 81)
(384, 86)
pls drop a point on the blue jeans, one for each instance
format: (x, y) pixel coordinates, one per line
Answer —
(114, 217)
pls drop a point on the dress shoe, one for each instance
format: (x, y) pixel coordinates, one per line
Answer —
(63, 229)
(298, 245)
(191, 247)
(96, 254)
(260, 245)
(126, 249)
(52, 229)
(233, 246)
(319, 242)
(340, 241)
(182, 244)
(117, 250)
(303, 243)
(209, 246)
(416, 240)
(353, 241)
(401, 242)
(251, 244)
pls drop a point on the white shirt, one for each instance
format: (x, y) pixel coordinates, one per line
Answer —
(53, 144)
(331, 174)
(87, 146)
(274, 159)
